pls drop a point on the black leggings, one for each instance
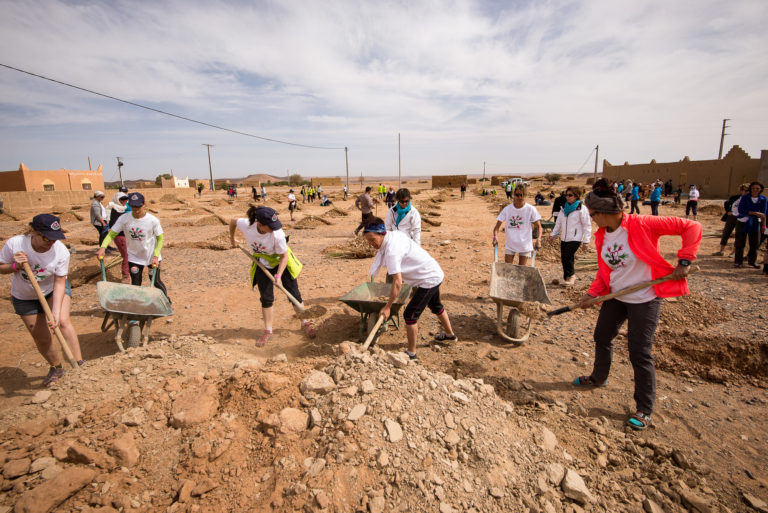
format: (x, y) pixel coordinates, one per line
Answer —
(567, 256)
(730, 225)
(102, 233)
(742, 238)
(267, 288)
(137, 271)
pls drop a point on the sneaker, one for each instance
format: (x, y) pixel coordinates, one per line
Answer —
(718, 253)
(54, 373)
(737, 266)
(639, 421)
(443, 337)
(569, 281)
(264, 338)
(756, 266)
(587, 381)
(80, 363)
(411, 356)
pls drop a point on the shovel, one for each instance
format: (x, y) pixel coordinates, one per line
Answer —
(618, 293)
(272, 278)
(49, 315)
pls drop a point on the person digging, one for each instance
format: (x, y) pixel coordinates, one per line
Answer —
(628, 255)
(265, 237)
(407, 262)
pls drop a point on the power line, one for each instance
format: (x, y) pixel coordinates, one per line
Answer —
(585, 161)
(169, 113)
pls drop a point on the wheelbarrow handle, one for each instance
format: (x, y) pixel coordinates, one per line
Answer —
(103, 271)
(495, 252)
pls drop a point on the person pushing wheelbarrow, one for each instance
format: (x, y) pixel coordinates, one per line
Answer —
(276, 263)
(628, 256)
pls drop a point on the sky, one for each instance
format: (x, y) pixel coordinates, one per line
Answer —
(514, 86)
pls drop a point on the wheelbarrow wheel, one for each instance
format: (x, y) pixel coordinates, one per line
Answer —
(133, 335)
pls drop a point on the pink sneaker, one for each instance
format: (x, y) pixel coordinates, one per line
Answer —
(309, 329)
(264, 338)
(54, 373)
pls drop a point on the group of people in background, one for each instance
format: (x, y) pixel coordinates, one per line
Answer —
(310, 193)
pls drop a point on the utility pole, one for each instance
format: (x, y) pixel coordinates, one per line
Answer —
(597, 152)
(346, 159)
(399, 164)
(120, 168)
(288, 177)
(483, 173)
(210, 169)
(722, 137)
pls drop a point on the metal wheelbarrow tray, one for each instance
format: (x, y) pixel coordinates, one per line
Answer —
(363, 298)
(131, 307)
(512, 285)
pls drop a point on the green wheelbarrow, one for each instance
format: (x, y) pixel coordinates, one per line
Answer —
(130, 309)
(367, 300)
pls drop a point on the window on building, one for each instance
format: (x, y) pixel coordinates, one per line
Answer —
(86, 186)
(48, 187)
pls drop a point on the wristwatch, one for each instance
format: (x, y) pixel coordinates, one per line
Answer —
(684, 262)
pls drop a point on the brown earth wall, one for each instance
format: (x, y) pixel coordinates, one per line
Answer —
(448, 180)
(333, 180)
(39, 201)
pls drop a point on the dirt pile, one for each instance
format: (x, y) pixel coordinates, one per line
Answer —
(336, 212)
(355, 247)
(309, 222)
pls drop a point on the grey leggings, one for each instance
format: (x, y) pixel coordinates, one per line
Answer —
(642, 321)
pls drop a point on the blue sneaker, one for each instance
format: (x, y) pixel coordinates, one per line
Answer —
(411, 356)
(587, 381)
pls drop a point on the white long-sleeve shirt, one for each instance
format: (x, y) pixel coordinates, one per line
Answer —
(410, 224)
(575, 227)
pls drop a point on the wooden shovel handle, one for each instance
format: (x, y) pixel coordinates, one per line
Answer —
(372, 334)
(49, 314)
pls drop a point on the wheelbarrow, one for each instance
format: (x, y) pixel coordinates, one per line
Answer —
(130, 309)
(512, 285)
(365, 299)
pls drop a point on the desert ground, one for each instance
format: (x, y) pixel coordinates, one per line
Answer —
(200, 419)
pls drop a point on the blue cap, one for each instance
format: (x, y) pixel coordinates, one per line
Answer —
(135, 199)
(48, 225)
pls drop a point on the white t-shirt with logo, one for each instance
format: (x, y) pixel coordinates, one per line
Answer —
(626, 269)
(272, 243)
(399, 254)
(291, 197)
(45, 266)
(139, 236)
(517, 227)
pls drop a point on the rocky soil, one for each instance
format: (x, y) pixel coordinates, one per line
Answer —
(202, 420)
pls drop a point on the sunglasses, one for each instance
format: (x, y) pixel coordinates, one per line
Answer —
(593, 214)
(569, 195)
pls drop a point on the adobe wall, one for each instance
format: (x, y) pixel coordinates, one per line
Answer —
(42, 201)
(333, 180)
(496, 180)
(713, 178)
(448, 180)
(25, 179)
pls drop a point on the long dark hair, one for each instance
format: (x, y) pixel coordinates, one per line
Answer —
(603, 188)
(251, 214)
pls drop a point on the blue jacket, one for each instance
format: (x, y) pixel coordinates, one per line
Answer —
(656, 195)
(621, 188)
(635, 193)
(746, 205)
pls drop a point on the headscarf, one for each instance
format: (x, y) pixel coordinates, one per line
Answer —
(375, 228)
(115, 203)
(570, 207)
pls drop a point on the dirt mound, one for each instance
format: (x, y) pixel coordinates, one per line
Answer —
(309, 222)
(336, 212)
(207, 221)
(711, 209)
(169, 198)
(430, 222)
(694, 310)
(355, 247)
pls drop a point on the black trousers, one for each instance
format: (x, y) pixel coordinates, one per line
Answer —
(654, 208)
(730, 224)
(567, 256)
(102, 233)
(634, 207)
(137, 272)
(643, 318)
(366, 217)
(267, 288)
(741, 241)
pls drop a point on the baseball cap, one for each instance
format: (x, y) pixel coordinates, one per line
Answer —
(136, 199)
(123, 188)
(48, 225)
(268, 217)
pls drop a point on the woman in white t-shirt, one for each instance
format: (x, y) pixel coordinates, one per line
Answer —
(409, 263)
(519, 218)
(291, 203)
(265, 237)
(49, 260)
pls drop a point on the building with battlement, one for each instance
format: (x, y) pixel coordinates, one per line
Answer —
(25, 179)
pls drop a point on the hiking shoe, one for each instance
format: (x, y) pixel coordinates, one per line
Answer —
(80, 363)
(443, 336)
(639, 421)
(718, 253)
(54, 373)
(587, 381)
(411, 356)
(264, 338)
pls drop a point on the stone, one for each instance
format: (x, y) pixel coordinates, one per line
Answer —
(204, 486)
(51, 472)
(460, 397)
(279, 358)
(15, 468)
(394, 431)
(271, 382)
(695, 501)
(250, 364)
(555, 473)
(367, 386)
(41, 464)
(451, 437)
(133, 417)
(293, 420)
(77, 453)
(357, 411)
(317, 382)
(574, 488)
(446, 508)
(200, 448)
(185, 491)
(377, 505)
(399, 360)
(651, 507)
(548, 439)
(72, 418)
(315, 418)
(46, 496)
(450, 422)
(496, 492)
(36, 427)
(124, 449)
(41, 397)
(194, 405)
(349, 391)
(314, 466)
(755, 502)
(322, 499)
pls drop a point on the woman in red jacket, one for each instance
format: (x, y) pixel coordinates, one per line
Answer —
(628, 249)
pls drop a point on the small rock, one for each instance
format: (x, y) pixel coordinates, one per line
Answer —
(194, 405)
(574, 488)
(755, 502)
(357, 411)
(496, 493)
(133, 417)
(279, 358)
(48, 495)
(548, 439)
(451, 437)
(251, 364)
(695, 501)
(51, 472)
(367, 386)
(125, 450)
(16, 468)
(317, 382)
(377, 505)
(204, 486)
(446, 508)
(322, 500)
(315, 418)
(314, 466)
(41, 464)
(398, 360)
(394, 431)
(72, 418)
(185, 491)
(293, 420)
(460, 397)
(41, 396)
(652, 507)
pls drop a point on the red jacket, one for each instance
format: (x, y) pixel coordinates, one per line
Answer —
(643, 233)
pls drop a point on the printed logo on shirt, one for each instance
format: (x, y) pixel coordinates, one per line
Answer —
(615, 256)
(38, 271)
(516, 222)
(137, 234)
(258, 247)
